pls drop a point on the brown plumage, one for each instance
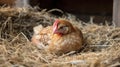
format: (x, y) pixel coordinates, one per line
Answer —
(61, 38)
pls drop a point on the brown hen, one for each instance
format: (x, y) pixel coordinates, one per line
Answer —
(61, 38)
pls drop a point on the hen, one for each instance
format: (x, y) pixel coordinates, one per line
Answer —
(61, 38)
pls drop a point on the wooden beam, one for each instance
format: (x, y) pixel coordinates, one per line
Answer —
(116, 12)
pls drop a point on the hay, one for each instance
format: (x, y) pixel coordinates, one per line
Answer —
(16, 29)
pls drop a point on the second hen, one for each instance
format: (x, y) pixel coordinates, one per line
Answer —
(61, 38)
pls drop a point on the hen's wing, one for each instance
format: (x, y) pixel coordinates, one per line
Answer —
(41, 36)
(70, 42)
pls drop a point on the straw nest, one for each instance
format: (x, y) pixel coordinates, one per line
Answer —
(16, 28)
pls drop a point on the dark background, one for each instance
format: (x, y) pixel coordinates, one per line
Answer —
(83, 9)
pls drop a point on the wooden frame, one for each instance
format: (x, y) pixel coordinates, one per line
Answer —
(116, 12)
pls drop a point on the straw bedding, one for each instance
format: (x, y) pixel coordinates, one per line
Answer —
(16, 28)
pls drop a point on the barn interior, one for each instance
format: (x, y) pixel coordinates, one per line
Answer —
(92, 17)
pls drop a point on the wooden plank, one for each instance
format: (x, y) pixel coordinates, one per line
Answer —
(116, 12)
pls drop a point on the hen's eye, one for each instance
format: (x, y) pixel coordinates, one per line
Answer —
(63, 27)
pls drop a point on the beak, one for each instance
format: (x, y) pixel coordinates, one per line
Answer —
(54, 29)
(55, 26)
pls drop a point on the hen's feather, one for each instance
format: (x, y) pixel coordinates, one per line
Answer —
(41, 35)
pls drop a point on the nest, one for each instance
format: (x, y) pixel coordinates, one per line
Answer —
(16, 28)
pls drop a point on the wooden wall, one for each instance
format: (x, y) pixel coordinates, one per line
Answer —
(101, 7)
(7, 2)
(81, 8)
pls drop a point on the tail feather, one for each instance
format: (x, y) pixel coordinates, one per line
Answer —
(37, 29)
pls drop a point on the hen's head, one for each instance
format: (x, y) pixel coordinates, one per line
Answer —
(62, 27)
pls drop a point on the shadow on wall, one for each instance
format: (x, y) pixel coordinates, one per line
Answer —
(81, 8)
(100, 7)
